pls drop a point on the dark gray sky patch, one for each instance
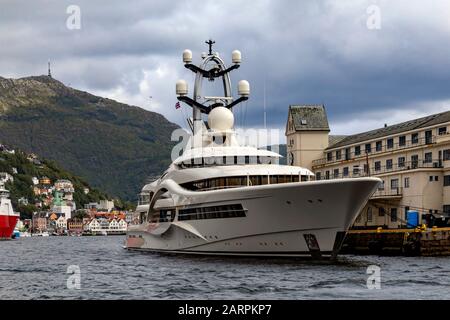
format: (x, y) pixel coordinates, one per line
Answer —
(305, 52)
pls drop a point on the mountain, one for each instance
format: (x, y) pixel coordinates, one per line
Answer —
(22, 169)
(114, 146)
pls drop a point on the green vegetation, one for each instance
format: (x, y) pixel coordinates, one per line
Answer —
(22, 187)
(113, 146)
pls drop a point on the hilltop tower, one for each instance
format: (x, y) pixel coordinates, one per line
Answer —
(49, 71)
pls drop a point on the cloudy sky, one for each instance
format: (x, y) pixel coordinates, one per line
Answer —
(370, 62)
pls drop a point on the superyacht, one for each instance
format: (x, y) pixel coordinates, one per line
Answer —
(223, 198)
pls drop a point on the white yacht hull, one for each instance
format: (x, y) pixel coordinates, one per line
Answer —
(280, 220)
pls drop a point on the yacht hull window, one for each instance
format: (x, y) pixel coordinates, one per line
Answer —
(214, 212)
(241, 181)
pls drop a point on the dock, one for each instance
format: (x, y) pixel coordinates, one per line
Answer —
(420, 241)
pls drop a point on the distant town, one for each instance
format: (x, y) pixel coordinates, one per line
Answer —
(57, 212)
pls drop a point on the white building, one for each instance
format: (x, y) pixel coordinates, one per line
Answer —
(61, 223)
(23, 201)
(107, 205)
(102, 225)
(117, 226)
(5, 177)
(94, 226)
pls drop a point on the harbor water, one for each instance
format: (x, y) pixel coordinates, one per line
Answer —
(37, 268)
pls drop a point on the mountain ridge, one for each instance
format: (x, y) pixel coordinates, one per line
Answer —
(114, 146)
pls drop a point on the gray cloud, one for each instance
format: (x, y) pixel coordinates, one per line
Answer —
(305, 52)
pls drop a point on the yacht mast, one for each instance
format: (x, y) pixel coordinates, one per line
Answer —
(218, 70)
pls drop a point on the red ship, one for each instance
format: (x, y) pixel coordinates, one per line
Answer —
(8, 218)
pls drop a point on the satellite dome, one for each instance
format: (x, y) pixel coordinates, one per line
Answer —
(220, 119)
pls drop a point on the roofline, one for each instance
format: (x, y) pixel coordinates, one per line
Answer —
(332, 147)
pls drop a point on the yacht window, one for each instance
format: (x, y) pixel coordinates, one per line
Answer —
(215, 212)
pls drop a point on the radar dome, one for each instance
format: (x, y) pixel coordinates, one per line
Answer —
(220, 119)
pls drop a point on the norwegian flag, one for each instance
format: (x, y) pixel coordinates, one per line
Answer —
(177, 105)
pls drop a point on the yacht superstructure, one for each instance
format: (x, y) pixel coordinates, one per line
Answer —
(223, 198)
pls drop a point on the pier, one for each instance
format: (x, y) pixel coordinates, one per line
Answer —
(420, 241)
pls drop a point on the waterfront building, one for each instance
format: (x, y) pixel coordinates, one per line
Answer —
(93, 226)
(75, 226)
(61, 223)
(117, 226)
(39, 221)
(412, 158)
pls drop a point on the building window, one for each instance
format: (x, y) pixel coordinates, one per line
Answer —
(446, 154)
(390, 143)
(394, 184)
(381, 187)
(401, 162)
(402, 141)
(369, 214)
(329, 156)
(442, 130)
(406, 184)
(446, 208)
(436, 178)
(377, 165)
(345, 172)
(414, 161)
(336, 173)
(430, 178)
(378, 146)
(414, 138)
(393, 214)
(388, 164)
(355, 170)
(381, 211)
(428, 157)
(428, 137)
(357, 150)
(347, 154)
(318, 176)
(338, 154)
(368, 148)
(446, 181)
(327, 174)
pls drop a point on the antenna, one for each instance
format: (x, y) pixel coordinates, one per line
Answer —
(210, 42)
(49, 71)
(219, 70)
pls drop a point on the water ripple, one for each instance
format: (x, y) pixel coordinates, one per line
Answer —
(37, 269)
